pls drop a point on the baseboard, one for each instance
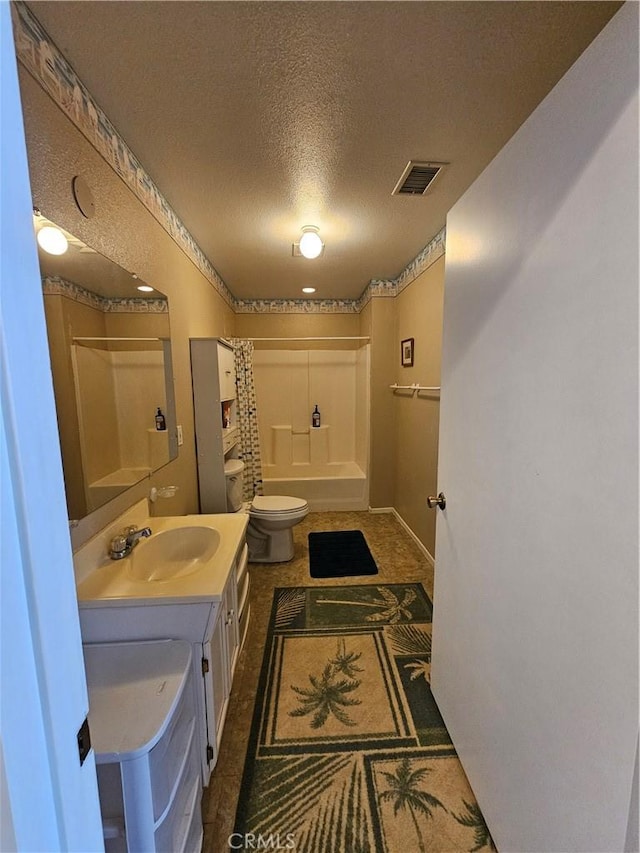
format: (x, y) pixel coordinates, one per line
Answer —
(381, 509)
(420, 544)
(336, 505)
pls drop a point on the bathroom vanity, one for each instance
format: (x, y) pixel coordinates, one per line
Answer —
(187, 581)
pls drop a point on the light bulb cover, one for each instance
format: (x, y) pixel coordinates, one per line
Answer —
(308, 290)
(145, 288)
(311, 245)
(52, 240)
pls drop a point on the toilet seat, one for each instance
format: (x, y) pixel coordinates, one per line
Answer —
(268, 506)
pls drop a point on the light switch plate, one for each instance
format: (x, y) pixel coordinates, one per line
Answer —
(180, 439)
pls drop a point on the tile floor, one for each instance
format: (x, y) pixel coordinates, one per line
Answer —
(399, 560)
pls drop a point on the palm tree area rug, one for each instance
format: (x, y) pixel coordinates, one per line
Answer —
(348, 752)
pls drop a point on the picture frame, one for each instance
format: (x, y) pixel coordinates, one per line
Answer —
(406, 352)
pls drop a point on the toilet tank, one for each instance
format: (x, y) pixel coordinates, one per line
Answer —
(233, 469)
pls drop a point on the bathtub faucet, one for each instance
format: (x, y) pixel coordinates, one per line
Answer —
(124, 543)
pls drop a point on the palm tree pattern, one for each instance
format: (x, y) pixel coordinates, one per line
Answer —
(328, 695)
(404, 792)
(473, 819)
(290, 603)
(393, 610)
(345, 662)
(411, 640)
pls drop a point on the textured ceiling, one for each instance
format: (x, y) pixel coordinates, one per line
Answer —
(256, 118)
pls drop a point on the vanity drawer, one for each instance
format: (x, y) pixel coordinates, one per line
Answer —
(243, 595)
(244, 622)
(242, 567)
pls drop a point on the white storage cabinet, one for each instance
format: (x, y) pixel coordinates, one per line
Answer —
(214, 393)
(142, 718)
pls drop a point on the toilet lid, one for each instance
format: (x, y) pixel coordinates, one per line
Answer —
(277, 503)
(233, 467)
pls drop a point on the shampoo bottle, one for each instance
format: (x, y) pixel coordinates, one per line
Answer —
(315, 417)
(160, 421)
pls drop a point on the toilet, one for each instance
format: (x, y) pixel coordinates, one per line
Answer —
(270, 531)
(271, 518)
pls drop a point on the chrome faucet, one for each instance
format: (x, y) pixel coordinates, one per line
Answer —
(124, 543)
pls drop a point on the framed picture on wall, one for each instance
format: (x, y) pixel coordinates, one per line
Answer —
(406, 352)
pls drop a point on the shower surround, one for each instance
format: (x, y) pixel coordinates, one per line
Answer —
(325, 465)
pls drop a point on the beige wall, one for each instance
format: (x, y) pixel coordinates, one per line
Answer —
(404, 428)
(418, 316)
(126, 232)
(378, 319)
(299, 325)
(126, 325)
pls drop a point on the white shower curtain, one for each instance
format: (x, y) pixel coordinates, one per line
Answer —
(248, 419)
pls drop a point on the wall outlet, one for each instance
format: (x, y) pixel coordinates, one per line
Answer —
(180, 438)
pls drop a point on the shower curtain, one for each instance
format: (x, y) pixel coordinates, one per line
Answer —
(247, 418)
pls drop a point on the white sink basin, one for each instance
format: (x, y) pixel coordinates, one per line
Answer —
(174, 553)
(187, 558)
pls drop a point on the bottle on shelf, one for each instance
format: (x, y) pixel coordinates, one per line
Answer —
(160, 420)
(226, 415)
(315, 417)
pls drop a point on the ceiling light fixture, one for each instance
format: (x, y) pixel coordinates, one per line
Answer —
(311, 245)
(52, 240)
(308, 290)
(145, 288)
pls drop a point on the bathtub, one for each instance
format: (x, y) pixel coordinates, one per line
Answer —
(331, 486)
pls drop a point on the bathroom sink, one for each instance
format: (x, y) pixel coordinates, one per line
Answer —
(174, 553)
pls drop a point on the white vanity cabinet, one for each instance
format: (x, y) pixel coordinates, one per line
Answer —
(209, 625)
(221, 654)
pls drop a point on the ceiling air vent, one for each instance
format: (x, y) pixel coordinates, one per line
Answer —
(417, 178)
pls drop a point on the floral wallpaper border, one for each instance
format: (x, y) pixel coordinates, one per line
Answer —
(47, 65)
(53, 285)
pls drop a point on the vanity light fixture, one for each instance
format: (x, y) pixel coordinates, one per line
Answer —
(311, 245)
(52, 240)
(308, 290)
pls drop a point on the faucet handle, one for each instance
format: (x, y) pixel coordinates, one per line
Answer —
(118, 547)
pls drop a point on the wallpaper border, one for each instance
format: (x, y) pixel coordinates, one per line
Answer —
(54, 285)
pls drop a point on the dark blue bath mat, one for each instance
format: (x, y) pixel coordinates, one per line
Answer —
(340, 554)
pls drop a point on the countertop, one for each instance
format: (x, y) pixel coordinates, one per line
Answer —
(105, 582)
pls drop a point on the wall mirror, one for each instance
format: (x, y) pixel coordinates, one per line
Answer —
(110, 348)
